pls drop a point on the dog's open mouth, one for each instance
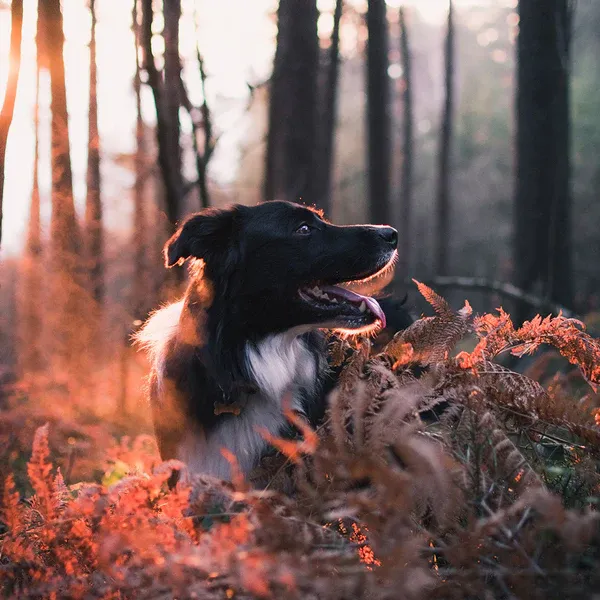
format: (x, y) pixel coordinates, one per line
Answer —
(340, 303)
(343, 309)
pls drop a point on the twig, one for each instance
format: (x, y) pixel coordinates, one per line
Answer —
(507, 290)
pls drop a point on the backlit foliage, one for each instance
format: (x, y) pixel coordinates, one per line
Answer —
(495, 496)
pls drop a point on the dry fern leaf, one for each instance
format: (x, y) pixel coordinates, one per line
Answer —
(508, 460)
(11, 510)
(439, 304)
(431, 338)
(39, 470)
(568, 336)
(525, 398)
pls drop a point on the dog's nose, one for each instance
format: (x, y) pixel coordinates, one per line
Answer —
(390, 235)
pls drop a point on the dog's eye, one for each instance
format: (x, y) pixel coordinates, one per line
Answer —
(304, 229)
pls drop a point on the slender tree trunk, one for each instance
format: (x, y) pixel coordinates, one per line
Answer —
(168, 157)
(291, 142)
(93, 213)
(30, 320)
(406, 225)
(202, 131)
(443, 191)
(378, 113)
(274, 163)
(209, 142)
(327, 119)
(141, 288)
(65, 317)
(542, 242)
(8, 105)
(64, 231)
(172, 94)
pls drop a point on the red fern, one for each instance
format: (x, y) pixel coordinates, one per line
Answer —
(11, 512)
(39, 470)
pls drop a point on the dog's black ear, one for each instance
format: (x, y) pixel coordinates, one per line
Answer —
(201, 235)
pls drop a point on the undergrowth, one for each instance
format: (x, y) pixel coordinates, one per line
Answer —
(494, 495)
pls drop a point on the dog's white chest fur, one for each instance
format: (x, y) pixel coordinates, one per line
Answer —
(281, 365)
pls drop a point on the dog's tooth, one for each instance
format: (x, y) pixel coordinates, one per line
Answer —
(334, 300)
(362, 307)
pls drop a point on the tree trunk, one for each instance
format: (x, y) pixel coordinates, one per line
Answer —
(8, 105)
(64, 232)
(542, 243)
(65, 317)
(378, 113)
(168, 156)
(327, 119)
(93, 213)
(30, 320)
(406, 183)
(171, 97)
(443, 191)
(291, 142)
(141, 292)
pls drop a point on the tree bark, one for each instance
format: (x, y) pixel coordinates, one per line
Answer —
(171, 96)
(93, 213)
(31, 322)
(406, 183)
(141, 289)
(201, 129)
(291, 140)
(168, 157)
(327, 118)
(64, 232)
(8, 105)
(443, 191)
(66, 318)
(542, 227)
(379, 128)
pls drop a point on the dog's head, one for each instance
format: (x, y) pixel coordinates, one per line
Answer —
(280, 266)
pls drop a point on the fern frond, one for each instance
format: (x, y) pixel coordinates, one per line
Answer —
(11, 510)
(39, 470)
(431, 338)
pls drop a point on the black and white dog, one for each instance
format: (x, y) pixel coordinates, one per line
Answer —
(249, 332)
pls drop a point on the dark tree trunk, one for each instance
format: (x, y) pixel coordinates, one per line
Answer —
(378, 113)
(64, 231)
(141, 291)
(203, 140)
(171, 96)
(169, 157)
(406, 225)
(209, 143)
(291, 142)
(30, 320)
(542, 242)
(65, 319)
(93, 212)
(443, 191)
(327, 118)
(8, 105)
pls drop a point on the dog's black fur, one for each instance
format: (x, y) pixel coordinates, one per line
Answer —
(249, 330)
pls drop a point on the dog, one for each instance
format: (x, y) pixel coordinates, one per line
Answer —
(267, 282)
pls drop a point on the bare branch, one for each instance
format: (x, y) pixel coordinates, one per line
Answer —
(508, 290)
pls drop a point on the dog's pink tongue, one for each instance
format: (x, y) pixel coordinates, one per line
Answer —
(355, 298)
